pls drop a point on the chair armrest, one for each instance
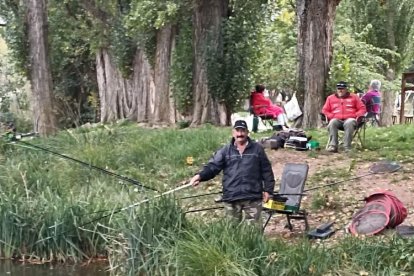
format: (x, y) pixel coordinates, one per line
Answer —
(361, 119)
(324, 119)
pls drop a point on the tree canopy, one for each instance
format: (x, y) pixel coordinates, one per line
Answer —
(180, 60)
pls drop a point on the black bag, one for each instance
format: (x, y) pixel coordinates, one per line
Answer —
(294, 138)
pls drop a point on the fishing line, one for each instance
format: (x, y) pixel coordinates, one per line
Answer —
(124, 178)
(384, 166)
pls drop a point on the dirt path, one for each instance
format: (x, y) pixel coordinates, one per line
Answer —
(340, 203)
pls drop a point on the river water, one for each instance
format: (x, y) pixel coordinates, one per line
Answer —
(9, 268)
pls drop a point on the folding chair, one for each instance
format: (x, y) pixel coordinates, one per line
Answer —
(291, 186)
(372, 119)
(359, 132)
(266, 119)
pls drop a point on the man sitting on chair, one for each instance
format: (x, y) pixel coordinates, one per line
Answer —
(264, 106)
(342, 109)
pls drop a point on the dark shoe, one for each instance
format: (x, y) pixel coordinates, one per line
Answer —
(332, 149)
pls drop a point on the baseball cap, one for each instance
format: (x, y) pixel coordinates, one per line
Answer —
(341, 85)
(240, 124)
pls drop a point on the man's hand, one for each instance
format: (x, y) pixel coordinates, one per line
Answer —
(266, 197)
(195, 180)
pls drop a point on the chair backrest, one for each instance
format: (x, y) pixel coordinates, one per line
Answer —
(374, 106)
(251, 110)
(293, 182)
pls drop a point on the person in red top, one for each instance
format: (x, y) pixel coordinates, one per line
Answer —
(264, 106)
(342, 110)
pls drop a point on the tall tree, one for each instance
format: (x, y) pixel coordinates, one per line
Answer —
(164, 106)
(207, 21)
(388, 25)
(40, 75)
(314, 48)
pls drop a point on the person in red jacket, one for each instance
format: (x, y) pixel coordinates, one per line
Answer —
(264, 106)
(342, 110)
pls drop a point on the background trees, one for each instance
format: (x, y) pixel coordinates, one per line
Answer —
(196, 61)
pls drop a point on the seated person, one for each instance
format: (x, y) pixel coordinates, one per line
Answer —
(342, 110)
(372, 99)
(264, 106)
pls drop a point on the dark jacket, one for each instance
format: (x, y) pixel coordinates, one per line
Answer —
(246, 176)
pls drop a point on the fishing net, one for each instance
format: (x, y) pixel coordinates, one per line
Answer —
(382, 210)
(370, 222)
(384, 166)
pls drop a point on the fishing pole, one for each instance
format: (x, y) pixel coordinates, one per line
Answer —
(185, 197)
(200, 195)
(204, 209)
(384, 166)
(336, 183)
(121, 209)
(124, 178)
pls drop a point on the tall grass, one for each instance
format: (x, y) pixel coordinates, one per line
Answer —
(46, 203)
(222, 248)
(46, 199)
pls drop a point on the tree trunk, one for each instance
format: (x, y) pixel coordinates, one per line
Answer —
(315, 31)
(40, 75)
(207, 21)
(387, 103)
(162, 104)
(120, 97)
(388, 97)
(143, 84)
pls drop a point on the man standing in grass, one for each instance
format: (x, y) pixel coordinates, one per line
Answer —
(247, 175)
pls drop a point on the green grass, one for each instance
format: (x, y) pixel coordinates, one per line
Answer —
(46, 200)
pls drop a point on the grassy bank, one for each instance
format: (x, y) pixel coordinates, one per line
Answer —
(44, 198)
(46, 203)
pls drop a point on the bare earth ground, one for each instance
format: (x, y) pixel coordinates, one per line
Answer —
(346, 198)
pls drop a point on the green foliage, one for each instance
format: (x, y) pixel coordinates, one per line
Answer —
(356, 60)
(230, 66)
(15, 35)
(12, 86)
(278, 58)
(182, 66)
(385, 25)
(72, 62)
(146, 17)
(123, 47)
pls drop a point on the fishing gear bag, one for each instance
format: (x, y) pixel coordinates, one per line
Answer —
(293, 138)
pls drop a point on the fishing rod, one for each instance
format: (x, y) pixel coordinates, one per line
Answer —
(384, 166)
(200, 195)
(120, 210)
(185, 197)
(124, 178)
(204, 209)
